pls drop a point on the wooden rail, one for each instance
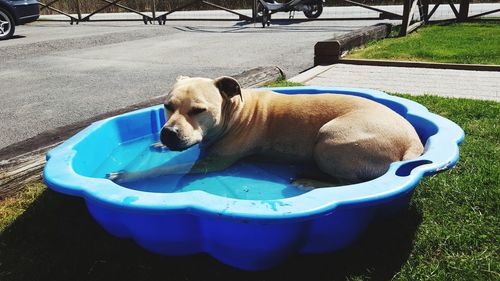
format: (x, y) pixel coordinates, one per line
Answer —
(330, 51)
(408, 25)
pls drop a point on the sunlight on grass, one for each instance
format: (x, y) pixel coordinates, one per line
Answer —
(286, 83)
(283, 83)
(469, 43)
(450, 234)
(13, 207)
(456, 240)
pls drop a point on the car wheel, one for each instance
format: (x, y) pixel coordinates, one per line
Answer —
(316, 10)
(7, 25)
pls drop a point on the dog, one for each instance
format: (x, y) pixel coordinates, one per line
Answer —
(349, 138)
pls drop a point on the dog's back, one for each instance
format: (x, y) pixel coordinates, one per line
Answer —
(288, 125)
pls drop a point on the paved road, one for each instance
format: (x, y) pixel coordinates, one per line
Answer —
(416, 81)
(55, 74)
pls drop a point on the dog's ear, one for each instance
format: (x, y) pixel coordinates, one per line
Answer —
(181, 77)
(228, 87)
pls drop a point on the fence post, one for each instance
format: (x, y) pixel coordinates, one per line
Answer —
(154, 10)
(406, 17)
(78, 11)
(463, 13)
(254, 11)
(425, 10)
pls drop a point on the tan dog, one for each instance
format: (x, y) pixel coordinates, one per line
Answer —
(352, 139)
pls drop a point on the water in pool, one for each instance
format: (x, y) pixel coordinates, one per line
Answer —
(244, 180)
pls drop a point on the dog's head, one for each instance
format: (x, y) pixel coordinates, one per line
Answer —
(194, 108)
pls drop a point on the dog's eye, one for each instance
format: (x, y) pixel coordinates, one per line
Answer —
(196, 110)
(169, 107)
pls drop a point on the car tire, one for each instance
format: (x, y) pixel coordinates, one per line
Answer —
(7, 25)
(317, 9)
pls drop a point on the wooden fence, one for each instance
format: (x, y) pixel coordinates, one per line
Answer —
(410, 8)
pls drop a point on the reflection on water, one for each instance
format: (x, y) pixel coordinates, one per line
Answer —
(244, 180)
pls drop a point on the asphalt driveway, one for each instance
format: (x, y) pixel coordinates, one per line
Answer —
(54, 74)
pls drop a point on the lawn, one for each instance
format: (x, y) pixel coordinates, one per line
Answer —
(449, 232)
(468, 43)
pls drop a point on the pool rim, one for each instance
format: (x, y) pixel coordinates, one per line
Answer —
(441, 148)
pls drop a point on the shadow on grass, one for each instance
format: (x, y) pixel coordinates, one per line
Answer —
(56, 239)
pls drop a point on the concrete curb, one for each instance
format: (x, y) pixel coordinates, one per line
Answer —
(455, 66)
(311, 73)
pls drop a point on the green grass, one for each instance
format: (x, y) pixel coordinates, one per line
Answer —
(13, 207)
(449, 232)
(284, 83)
(469, 43)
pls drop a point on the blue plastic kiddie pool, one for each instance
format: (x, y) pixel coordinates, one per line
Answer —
(248, 216)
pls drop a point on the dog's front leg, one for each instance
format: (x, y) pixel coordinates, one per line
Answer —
(205, 165)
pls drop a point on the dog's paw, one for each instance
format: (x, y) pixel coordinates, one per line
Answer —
(303, 184)
(115, 176)
(158, 146)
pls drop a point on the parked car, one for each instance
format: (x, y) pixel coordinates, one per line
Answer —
(16, 12)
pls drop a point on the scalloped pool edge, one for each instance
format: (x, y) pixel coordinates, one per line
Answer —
(197, 221)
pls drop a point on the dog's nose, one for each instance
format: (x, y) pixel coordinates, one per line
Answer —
(169, 136)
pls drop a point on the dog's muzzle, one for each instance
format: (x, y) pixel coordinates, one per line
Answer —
(169, 136)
